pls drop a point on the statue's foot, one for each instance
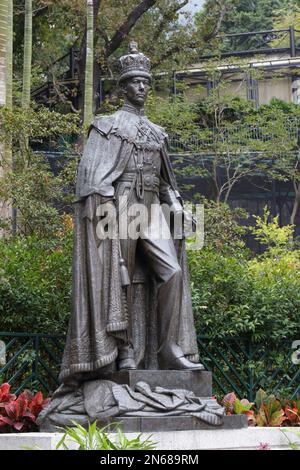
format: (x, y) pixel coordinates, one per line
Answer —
(182, 363)
(172, 357)
(127, 364)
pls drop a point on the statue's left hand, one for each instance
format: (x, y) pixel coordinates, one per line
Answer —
(187, 220)
(189, 224)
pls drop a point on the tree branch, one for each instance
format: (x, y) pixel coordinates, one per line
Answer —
(222, 12)
(128, 24)
(177, 48)
(167, 17)
(172, 50)
(100, 32)
(40, 11)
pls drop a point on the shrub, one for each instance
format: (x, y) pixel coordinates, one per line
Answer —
(94, 438)
(19, 414)
(235, 294)
(267, 410)
(35, 282)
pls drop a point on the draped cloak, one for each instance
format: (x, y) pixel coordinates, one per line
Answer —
(98, 318)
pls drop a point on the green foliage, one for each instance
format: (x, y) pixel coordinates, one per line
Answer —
(161, 32)
(94, 438)
(268, 232)
(245, 15)
(220, 103)
(224, 229)
(39, 125)
(235, 294)
(35, 282)
(39, 196)
(269, 410)
(177, 115)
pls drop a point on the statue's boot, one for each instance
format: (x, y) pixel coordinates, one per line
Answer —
(126, 358)
(172, 357)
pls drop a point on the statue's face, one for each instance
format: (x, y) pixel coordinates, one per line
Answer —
(136, 90)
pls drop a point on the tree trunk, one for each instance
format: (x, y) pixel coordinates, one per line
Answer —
(4, 11)
(3, 49)
(9, 55)
(82, 60)
(89, 66)
(27, 55)
(117, 38)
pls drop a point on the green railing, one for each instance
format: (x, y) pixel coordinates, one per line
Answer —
(242, 366)
(239, 365)
(243, 137)
(31, 360)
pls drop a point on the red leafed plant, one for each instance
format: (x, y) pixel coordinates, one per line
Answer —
(19, 413)
(268, 410)
(5, 396)
(233, 405)
(292, 412)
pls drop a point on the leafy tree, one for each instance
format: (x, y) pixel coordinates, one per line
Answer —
(240, 140)
(284, 162)
(155, 24)
(39, 195)
(247, 16)
(225, 138)
(235, 293)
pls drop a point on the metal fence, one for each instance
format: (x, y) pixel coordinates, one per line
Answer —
(30, 360)
(244, 137)
(242, 366)
(239, 365)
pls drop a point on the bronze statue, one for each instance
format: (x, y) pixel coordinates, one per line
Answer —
(146, 320)
(131, 296)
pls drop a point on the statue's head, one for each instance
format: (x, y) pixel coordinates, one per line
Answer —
(135, 76)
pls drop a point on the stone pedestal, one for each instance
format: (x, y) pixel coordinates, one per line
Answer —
(172, 423)
(199, 382)
(86, 403)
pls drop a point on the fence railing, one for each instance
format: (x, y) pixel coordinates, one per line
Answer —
(275, 41)
(242, 366)
(30, 360)
(239, 365)
(244, 137)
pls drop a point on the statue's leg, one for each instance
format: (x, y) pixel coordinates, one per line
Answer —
(160, 252)
(128, 253)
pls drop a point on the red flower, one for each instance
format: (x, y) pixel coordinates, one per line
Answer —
(264, 446)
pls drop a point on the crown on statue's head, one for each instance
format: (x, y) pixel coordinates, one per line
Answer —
(134, 64)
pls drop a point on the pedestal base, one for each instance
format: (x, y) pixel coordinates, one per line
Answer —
(159, 403)
(199, 382)
(173, 423)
